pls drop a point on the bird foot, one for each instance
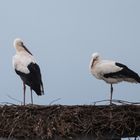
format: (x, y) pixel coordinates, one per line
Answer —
(112, 104)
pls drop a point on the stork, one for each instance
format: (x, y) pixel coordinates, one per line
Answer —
(111, 72)
(26, 67)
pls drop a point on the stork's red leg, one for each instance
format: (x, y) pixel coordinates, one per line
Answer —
(111, 94)
(31, 96)
(24, 90)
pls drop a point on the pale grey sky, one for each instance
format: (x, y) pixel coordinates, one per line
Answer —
(62, 35)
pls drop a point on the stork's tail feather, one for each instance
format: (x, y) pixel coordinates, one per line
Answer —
(39, 93)
(39, 90)
(139, 79)
(42, 88)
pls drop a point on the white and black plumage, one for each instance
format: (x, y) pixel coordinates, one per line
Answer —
(28, 70)
(111, 72)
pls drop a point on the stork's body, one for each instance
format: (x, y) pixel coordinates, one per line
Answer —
(26, 67)
(112, 72)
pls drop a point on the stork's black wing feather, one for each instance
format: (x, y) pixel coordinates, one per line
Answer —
(125, 72)
(33, 79)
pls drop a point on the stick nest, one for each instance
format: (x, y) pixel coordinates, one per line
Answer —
(48, 122)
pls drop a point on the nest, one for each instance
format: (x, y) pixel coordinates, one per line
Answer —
(48, 122)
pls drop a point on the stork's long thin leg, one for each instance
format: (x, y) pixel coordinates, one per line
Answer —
(31, 96)
(24, 90)
(111, 90)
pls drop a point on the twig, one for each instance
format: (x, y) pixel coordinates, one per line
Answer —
(118, 101)
(54, 101)
(14, 99)
(6, 103)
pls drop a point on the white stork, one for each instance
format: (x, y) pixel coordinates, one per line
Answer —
(28, 70)
(111, 72)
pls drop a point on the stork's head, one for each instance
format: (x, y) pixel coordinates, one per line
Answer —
(18, 42)
(20, 47)
(94, 58)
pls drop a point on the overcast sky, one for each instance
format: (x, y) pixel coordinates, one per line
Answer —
(62, 35)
